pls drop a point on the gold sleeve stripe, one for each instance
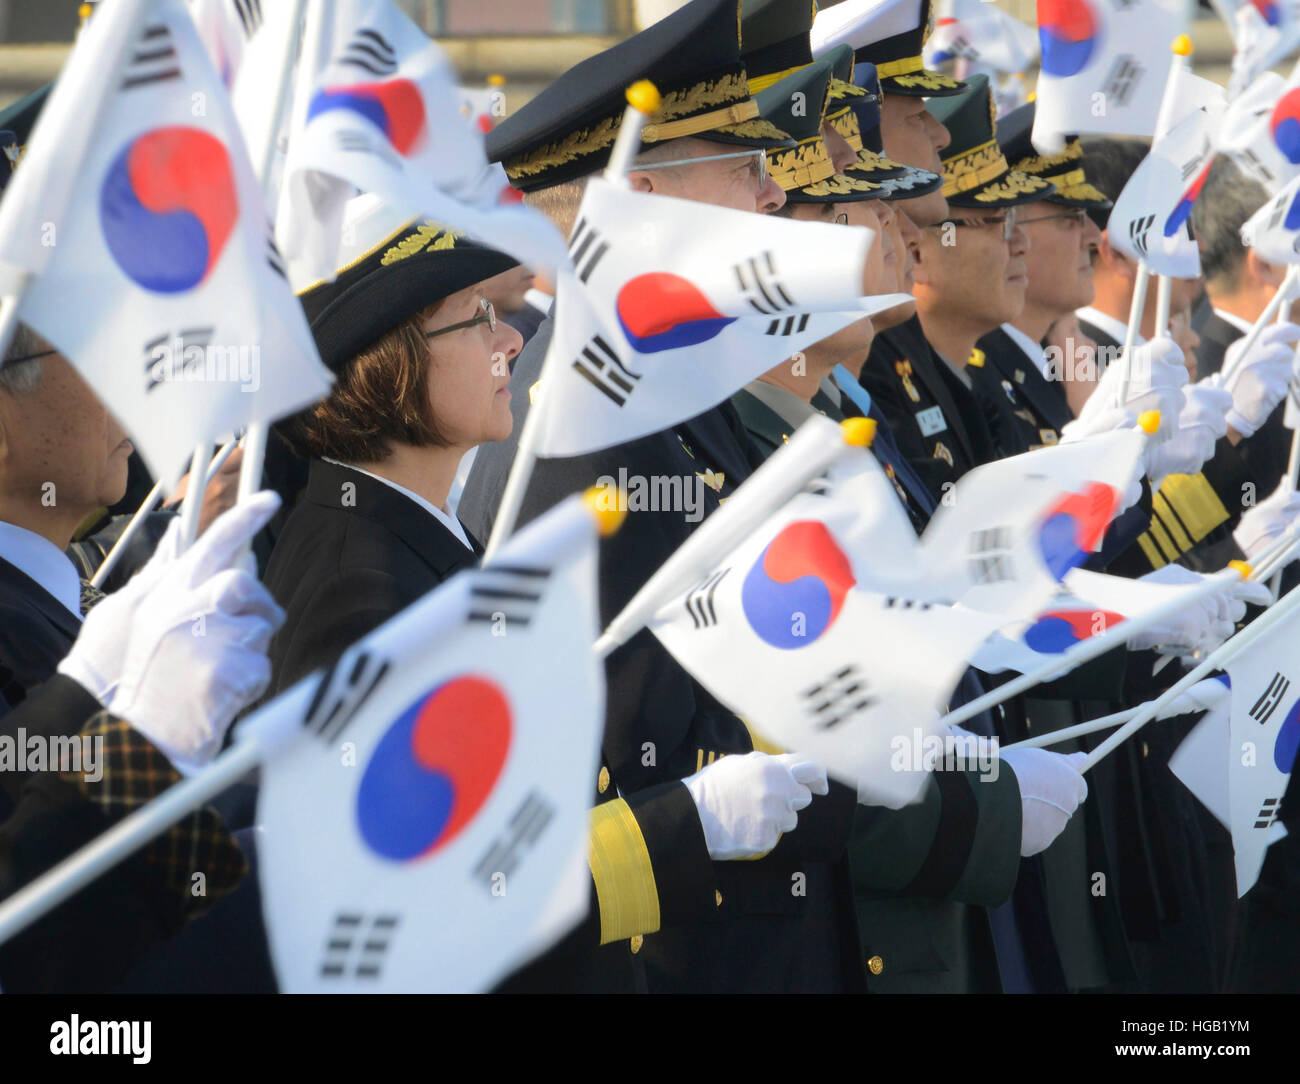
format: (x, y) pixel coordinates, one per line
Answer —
(1168, 550)
(625, 879)
(1151, 553)
(761, 744)
(1172, 524)
(1194, 501)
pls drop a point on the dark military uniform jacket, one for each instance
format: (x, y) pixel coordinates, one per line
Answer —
(1035, 409)
(922, 875)
(783, 923)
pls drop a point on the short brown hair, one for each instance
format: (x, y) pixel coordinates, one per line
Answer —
(381, 395)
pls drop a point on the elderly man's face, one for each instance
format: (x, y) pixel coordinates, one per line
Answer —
(980, 278)
(59, 435)
(912, 136)
(726, 182)
(1062, 241)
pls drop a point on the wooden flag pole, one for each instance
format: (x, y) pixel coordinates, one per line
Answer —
(642, 101)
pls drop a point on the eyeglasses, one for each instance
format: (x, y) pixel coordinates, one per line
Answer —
(1077, 216)
(759, 155)
(487, 315)
(1008, 223)
(842, 219)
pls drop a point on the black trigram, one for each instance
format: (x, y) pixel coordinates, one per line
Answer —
(838, 697)
(342, 691)
(1268, 812)
(893, 602)
(1269, 699)
(1261, 171)
(1123, 5)
(1137, 232)
(1275, 218)
(526, 824)
(1124, 76)
(790, 325)
(369, 51)
(989, 553)
(167, 356)
(757, 280)
(357, 945)
(509, 593)
(699, 603)
(587, 248)
(154, 59)
(1192, 165)
(600, 366)
(274, 259)
(250, 15)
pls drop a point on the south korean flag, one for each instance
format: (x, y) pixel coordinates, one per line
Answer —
(672, 306)
(426, 818)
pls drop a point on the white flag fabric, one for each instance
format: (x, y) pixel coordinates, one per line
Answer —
(1152, 217)
(1264, 32)
(1260, 130)
(1005, 537)
(981, 35)
(185, 323)
(1104, 66)
(672, 306)
(252, 45)
(1274, 230)
(829, 628)
(1091, 604)
(802, 632)
(384, 117)
(1264, 734)
(426, 828)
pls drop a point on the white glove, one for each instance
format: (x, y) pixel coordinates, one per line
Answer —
(1203, 624)
(181, 653)
(1051, 788)
(746, 802)
(1259, 383)
(1201, 422)
(1200, 697)
(1157, 375)
(1263, 525)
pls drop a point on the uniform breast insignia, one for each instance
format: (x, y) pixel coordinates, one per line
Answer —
(1011, 392)
(941, 452)
(685, 447)
(1020, 376)
(902, 493)
(904, 370)
(931, 420)
(714, 479)
(1027, 416)
(1049, 436)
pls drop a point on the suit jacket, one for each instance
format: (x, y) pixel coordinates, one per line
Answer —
(36, 631)
(353, 553)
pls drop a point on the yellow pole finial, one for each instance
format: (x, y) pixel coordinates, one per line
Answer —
(608, 507)
(858, 432)
(1242, 568)
(643, 96)
(496, 80)
(1182, 45)
(1149, 421)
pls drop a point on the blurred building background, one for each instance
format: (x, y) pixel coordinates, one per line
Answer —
(527, 41)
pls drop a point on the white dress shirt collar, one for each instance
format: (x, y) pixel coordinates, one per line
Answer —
(1029, 348)
(44, 562)
(1236, 321)
(449, 521)
(1116, 329)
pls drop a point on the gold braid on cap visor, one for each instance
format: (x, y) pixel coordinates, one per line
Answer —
(804, 165)
(846, 123)
(1073, 184)
(981, 166)
(912, 72)
(722, 103)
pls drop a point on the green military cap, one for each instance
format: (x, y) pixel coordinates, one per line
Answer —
(774, 39)
(797, 104)
(843, 93)
(890, 34)
(975, 171)
(1065, 170)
